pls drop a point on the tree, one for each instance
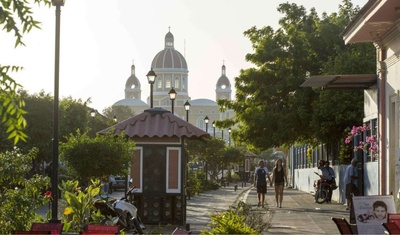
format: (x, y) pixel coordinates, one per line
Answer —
(73, 116)
(19, 197)
(97, 157)
(215, 154)
(11, 110)
(271, 108)
(120, 112)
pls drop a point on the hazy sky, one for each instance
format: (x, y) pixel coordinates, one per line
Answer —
(100, 39)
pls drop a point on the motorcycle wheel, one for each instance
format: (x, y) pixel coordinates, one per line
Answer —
(139, 229)
(322, 195)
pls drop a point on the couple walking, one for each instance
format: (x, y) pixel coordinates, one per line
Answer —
(279, 179)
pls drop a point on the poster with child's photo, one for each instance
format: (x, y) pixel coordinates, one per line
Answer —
(371, 211)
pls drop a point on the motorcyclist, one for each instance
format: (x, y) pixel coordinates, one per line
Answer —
(329, 175)
(325, 179)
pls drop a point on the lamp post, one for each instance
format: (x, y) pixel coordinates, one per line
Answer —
(172, 96)
(206, 119)
(115, 119)
(93, 113)
(229, 131)
(151, 77)
(54, 170)
(213, 124)
(187, 107)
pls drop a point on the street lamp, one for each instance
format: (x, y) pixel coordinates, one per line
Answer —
(206, 119)
(187, 107)
(54, 170)
(213, 124)
(172, 96)
(229, 130)
(115, 119)
(93, 113)
(151, 77)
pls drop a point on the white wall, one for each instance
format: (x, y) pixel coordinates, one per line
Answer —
(304, 180)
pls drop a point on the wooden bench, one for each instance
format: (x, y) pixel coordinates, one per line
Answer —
(395, 218)
(54, 228)
(31, 232)
(343, 226)
(391, 227)
(100, 229)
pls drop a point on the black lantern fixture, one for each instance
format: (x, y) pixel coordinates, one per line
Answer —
(115, 119)
(151, 77)
(54, 165)
(187, 107)
(229, 131)
(93, 113)
(206, 119)
(172, 95)
(213, 125)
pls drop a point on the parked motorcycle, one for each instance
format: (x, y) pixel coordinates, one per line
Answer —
(123, 212)
(320, 189)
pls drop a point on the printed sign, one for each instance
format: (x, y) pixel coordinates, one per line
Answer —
(371, 211)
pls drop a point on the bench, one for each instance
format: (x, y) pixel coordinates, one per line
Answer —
(343, 226)
(100, 229)
(54, 228)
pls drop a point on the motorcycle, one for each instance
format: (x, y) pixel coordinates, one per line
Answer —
(122, 211)
(321, 189)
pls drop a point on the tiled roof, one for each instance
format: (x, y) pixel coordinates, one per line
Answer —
(156, 122)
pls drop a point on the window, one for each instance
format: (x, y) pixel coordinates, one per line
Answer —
(159, 83)
(168, 82)
(176, 82)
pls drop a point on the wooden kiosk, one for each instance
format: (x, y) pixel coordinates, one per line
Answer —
(158, 166)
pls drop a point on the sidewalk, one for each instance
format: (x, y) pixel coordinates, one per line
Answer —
(300, 214)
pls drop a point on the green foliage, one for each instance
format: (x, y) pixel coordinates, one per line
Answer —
(120, 112)
(194, 183)
(229, 222)
(234, 177)
(20, 197)
(215, 153)
(97, 157)
(13, 15)
(80, 209)
(270, 106)
(11, 108)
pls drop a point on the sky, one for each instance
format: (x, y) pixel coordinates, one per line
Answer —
(101, 39)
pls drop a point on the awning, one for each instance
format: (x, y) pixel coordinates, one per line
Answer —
(352, 81)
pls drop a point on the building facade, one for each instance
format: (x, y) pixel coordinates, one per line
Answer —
(172, 71)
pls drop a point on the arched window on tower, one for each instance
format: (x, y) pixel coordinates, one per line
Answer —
(183, 83)
(176, 82)
(159, 83)
(168, 82)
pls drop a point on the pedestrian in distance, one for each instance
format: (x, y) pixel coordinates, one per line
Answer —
(279, 179)
(260, 182)
(351, 182)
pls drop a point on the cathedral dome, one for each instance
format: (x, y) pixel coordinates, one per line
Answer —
(169, 58)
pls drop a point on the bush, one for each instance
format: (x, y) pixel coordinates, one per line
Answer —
(20, 197)
(194, 183)
(239, 220)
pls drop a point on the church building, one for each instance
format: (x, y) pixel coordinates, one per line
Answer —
(172, 72)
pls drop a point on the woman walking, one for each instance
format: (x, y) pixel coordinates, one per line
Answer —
(279, 179)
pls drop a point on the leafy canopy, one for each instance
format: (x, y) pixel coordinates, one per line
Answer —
(15, 17)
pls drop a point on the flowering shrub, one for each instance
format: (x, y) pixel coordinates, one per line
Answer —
(370, 143)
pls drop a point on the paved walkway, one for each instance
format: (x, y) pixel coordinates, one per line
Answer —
(299, 213)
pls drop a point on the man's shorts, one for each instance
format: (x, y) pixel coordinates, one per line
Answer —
(262, 188)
